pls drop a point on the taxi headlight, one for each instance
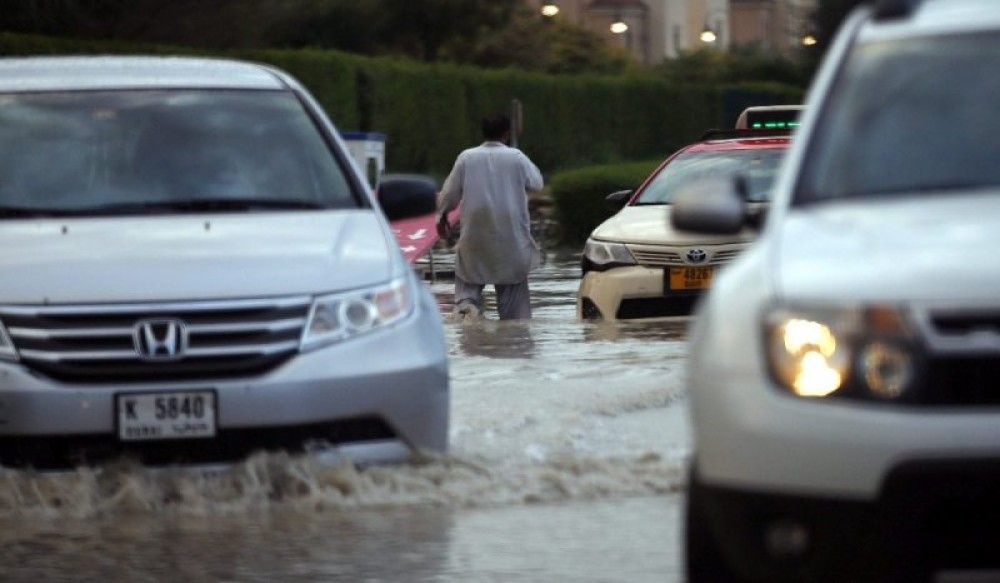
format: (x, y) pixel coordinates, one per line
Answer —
(7, 350)
(866, 353)
(604, 254)
(337, 317)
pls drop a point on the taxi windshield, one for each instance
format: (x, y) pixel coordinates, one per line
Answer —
(758, 165)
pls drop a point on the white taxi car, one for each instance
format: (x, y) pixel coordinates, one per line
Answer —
(636, 266)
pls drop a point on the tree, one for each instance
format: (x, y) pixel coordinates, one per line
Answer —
(492, 33)
(531, 43)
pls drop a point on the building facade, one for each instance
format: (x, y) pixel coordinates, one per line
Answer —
(771, 26)
(653, 30)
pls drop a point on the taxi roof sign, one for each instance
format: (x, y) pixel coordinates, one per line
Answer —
(769, 117)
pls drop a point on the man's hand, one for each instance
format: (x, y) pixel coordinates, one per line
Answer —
(443, 229)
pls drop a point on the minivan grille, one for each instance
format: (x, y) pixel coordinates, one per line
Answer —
(101, 343)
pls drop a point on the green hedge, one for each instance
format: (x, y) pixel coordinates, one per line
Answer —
(579, 194)
(431, 112)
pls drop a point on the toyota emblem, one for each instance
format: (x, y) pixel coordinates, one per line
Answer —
(696, 256)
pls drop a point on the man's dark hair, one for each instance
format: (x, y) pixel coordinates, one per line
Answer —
(495, 127)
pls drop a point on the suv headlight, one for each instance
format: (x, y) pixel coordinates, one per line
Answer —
(866, 353)
(604, 255)
(7, 350)
(337, 317)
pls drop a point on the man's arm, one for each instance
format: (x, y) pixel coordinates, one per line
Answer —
(451, 191)
(532, 175)
(450, 196)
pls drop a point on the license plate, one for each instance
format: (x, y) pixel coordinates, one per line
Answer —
(689, 278)
(174, 415)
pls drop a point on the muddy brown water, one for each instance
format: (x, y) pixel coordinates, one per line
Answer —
(568, 447)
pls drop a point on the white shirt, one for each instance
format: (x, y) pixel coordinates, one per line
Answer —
(492, 182)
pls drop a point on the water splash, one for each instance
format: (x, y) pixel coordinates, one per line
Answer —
(308, 482)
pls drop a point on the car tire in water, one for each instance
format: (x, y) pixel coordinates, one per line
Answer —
(704, 562)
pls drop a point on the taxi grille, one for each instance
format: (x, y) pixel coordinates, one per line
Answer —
(99, 343)
(653, 258)
(659, 257)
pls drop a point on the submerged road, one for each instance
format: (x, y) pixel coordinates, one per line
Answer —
(569, 442)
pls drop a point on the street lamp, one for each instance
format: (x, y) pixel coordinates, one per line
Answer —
(809, 40)
(549, 10)
(619, 27)
(708, 36)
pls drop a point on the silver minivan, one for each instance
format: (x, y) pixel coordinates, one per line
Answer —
(193, 269)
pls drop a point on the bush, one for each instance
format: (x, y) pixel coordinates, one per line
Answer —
(430, 112)
(579, 194)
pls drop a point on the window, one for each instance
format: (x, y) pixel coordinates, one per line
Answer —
(909, 116)
(80, 151)
(758, 166)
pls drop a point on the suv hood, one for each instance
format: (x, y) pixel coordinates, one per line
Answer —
(190, 257)
(928, 247)
(650, 225)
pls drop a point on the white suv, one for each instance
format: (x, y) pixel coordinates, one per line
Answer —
(845, 371)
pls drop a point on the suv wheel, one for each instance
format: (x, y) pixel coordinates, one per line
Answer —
(704, 562)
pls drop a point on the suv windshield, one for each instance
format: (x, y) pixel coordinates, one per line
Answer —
(910, 116)
(758, 165)
(112, 152)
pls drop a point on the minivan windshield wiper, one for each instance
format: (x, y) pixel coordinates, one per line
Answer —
(196, 205)
(14, 212)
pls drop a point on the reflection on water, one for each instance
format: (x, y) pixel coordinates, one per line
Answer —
(567, 441)
(554, 326)
(415, 543)
(496, 339)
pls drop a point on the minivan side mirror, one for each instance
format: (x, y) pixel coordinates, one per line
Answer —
(403, 196)
(617, 200)
(711, 206)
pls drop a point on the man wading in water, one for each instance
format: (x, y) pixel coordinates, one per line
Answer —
(495, 247)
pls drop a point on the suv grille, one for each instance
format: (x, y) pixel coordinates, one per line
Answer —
(963, 346)
(99, 343)
(961, 324)
(962, 381)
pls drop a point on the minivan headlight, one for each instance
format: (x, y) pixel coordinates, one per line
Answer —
(868, 353)
(602, 254)
(337, 317)
(7, 350)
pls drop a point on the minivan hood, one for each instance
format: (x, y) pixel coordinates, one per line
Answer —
(650, 225)
(928, 247)
(190, 257)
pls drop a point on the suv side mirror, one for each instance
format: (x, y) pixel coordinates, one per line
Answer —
(712, 206)
(402, 196)
(617, 200)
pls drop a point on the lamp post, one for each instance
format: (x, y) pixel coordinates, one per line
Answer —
(712, 35)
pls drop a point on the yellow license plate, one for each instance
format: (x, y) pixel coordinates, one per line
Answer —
(686, 278)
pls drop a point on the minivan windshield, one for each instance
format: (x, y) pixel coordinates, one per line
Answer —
(908, 117)
(758, 165)
(118, 152)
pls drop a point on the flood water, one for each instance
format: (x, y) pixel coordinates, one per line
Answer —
(568, 447)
